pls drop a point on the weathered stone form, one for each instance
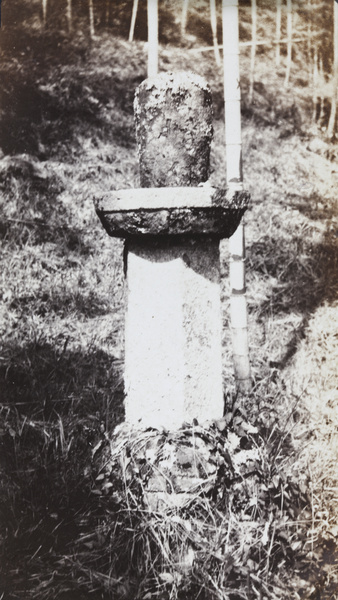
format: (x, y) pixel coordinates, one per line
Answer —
(173, 353)
(173, 350)
(173, 116)
(171, 211)
(173, 359)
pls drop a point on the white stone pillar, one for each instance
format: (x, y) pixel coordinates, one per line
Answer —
(173, 350)
(173, 357)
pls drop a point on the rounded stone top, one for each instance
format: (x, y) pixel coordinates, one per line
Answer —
(173, 117)
(175, 81)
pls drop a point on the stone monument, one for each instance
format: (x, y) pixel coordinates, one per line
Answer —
(172, 226)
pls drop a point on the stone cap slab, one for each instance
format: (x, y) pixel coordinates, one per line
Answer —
(171, 211)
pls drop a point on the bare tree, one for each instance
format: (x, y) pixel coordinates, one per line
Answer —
(332, 121)
(321, 85)
(289, 42)
(44, 12)
(107, 12)
(213, 21)
(184, 17)
(152, 7)
(253, 46)
(309, 32)
(69, 15)
(233, 142)
(278, 30)
(133, 21)
(315, 77)
(91, 19)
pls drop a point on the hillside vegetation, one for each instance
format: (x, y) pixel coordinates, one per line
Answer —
(67, 132)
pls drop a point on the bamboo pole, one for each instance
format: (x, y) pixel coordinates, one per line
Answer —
(315, 77)
(309, 33)
(332, 120)
(213, 21)
(289, 44)
(253, 47)
(133, 21)
(44, 12)
(321, 91)
(278, 30)
(152, 7)
(184, 17)
(69, 15)
(233, 143)
(107, 12)
(91, 19)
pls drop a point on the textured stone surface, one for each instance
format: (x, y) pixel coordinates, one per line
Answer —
(171, 211)
(173, 115)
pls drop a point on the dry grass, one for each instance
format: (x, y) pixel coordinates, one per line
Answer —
(264, 526)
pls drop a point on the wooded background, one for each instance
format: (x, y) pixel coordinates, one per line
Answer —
(306, 27)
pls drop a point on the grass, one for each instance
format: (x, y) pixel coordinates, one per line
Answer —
(265, 524)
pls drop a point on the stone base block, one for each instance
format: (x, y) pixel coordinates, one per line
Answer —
(173, 355)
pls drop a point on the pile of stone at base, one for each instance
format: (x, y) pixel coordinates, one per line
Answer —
(167, 469)
(195, 512)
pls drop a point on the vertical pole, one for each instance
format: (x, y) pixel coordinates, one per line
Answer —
(253, 47)
(232, 92)
(321, 90)
(315, 77)
(133, 21)
(289, 42)
(309, 33)
(332, 120)
(233, 142)
(44, 12)
(278, 29)
(91, 19)
(213, 21)
(152, 37)
(107, 12)
(184, 17)
(69, 15)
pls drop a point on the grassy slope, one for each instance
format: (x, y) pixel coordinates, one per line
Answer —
(68, 134)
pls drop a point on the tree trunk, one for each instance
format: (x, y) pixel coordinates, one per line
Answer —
(69, 15)
(91, 19)
(331, 129)
(44, 12)
(233, 142)
(321, 80)
(213, 21)
(152, 7)
(253, 47)
(278, 30)
(133, 21)
(289, 42)
(309, 33)
(184, 17)
(315, 77)
(107, 12)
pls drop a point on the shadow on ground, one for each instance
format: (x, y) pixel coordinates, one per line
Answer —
(51, 99)
(306, 277)
(42, 381)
